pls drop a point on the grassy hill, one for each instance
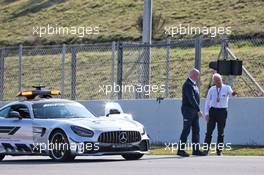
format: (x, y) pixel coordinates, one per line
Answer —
(118, 19)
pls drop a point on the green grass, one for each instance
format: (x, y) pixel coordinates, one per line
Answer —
(237, 150)
(118, 19)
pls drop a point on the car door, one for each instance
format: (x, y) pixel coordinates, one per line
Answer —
(16, 134)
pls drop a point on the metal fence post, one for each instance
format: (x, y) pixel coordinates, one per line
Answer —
(20, 53)
(2, 72)
(120, 68)
(113, 66)
(167, 69)
(198, 53)
(146, 68)
(227, 79)
(73, 71)
(62, 70)
(224, 46)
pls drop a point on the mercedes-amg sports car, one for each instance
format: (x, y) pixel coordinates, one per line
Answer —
(64, 129)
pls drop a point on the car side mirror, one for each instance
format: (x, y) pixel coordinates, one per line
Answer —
(113, 111)
(14, 114)
(112, 108)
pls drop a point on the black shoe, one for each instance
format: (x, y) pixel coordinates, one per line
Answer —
(200, 153)
(219, 153)
(206, 153)
(183, 154)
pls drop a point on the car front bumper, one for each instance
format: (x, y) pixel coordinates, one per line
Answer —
(94, 149)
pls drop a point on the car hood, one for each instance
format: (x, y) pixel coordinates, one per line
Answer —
(105, 123)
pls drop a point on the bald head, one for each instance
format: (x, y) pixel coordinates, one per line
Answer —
(194, 74)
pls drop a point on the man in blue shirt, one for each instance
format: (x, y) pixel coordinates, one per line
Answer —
(191, 112)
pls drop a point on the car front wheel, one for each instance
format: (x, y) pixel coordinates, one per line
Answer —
(132, 156)
(2, 156)
(60, 147)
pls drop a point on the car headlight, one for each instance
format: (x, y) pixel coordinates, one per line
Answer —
(80, 131)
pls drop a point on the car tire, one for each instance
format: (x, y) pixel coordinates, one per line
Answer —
(2, 156)
(63, 154)
(132, 156)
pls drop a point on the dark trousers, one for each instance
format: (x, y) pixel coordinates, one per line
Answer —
(190, 121)
(217, 116)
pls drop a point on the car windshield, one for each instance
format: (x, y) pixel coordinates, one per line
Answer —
(60, 110)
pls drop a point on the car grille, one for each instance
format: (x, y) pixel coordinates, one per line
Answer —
(120, 137)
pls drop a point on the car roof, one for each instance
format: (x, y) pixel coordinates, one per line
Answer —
(48, 100)
(43, 100)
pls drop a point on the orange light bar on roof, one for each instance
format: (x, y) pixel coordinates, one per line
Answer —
(26, 93)
(55, 92)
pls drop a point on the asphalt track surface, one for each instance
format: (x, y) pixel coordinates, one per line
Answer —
(115, 165)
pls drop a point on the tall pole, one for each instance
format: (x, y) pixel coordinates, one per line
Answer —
(146, 39)
(147, 21)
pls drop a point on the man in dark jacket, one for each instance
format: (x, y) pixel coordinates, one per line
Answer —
(191, 113)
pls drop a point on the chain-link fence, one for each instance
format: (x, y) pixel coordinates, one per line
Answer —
(170, 62)
(126, 69)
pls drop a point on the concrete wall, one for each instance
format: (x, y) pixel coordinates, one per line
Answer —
(163, 121)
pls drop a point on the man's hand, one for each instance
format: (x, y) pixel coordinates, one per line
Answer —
(200, 114)
(234, 93)
(206, 118)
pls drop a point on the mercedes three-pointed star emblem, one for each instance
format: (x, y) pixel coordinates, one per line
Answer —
(123, 137)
